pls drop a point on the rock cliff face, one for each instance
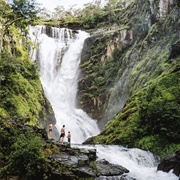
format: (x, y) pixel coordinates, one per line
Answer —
(119, 62)
(115, 44)
(126, 72)
(61, 162)
(82, 163)
(22, 96)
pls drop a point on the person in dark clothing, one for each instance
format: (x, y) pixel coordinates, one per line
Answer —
(62, 135)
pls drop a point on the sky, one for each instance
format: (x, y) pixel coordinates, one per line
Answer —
(51, 4)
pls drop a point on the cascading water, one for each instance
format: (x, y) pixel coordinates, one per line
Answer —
(141, 164)
(58, 56)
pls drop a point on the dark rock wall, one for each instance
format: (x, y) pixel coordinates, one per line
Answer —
(135, 51)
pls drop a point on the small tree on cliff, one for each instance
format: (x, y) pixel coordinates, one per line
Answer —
(18, 14)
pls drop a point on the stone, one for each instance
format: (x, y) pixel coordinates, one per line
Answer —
(84, 172)
(107, 169)
(172, 161)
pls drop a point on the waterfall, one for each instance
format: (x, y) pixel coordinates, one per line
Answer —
(58, 55)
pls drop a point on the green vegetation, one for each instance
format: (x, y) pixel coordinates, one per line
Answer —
(150, 118)
(21, 13)
(146, 74)
(22, 152)
(90, 18)
(14, 20)
(133, 62)
(19, 158)
(21, 92)
(93, 165)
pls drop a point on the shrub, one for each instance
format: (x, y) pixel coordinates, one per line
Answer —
(27, 157)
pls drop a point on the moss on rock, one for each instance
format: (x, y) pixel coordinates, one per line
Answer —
(150, 117)
(22, 96)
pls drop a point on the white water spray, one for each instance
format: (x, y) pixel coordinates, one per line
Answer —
(59, 59)
(141, 164)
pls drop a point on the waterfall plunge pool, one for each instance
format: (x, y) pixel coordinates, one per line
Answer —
(58, 56)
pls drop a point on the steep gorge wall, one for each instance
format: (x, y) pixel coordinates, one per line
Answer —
(21, 93)
(117, 63)
(142, 104)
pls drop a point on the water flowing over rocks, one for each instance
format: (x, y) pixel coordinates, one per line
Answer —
(83, 163)
(71, 162)
(76, 163)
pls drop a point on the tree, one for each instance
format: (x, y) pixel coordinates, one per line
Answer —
(25, 12)
(21, 13)
(17, 13)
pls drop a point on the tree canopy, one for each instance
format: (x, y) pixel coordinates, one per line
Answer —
(21, 13)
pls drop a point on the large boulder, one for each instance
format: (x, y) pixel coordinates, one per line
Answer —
(170, 162)
(82, 163)
(107, 169)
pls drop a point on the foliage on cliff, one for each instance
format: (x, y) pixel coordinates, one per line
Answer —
(120, 61)
(144, 52)
(27, 153)
(133, 44)
(24, 151)
(150, 117)
(21, 93)
(133, 54)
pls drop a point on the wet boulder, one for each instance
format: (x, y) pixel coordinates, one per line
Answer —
(104, 168)
(83, 163)
(170, 162)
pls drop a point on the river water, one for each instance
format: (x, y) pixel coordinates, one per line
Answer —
(141, 164)
(58, 56)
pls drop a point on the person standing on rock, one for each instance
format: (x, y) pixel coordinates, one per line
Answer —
(62, 134)
(50, 130)
(69, 137)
